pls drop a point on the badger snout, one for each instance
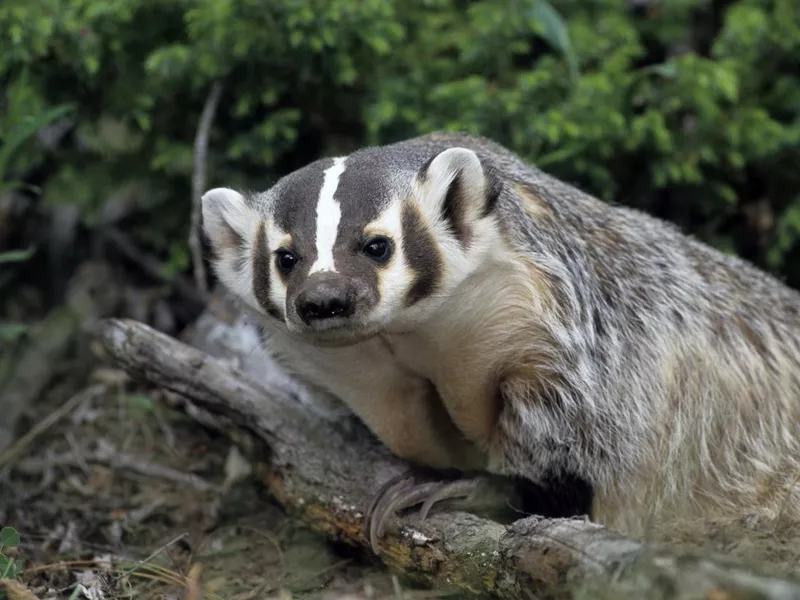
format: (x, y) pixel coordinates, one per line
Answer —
(326, 297)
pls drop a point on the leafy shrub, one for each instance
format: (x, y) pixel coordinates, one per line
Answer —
(687, 109)
(9, 568)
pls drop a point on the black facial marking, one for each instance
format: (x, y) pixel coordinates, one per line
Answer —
(295, 212)
(299, 191)
(261, 267)
(363, 192)
(371, 179)
(422, 255)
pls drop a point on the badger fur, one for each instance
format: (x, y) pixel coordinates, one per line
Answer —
(479, 314)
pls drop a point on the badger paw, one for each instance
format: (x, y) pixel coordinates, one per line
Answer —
(416, 486)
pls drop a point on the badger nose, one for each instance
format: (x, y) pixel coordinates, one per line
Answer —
(325, 298)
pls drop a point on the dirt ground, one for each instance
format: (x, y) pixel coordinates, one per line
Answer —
(124, 498)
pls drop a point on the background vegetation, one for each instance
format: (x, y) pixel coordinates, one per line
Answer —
(689, 109)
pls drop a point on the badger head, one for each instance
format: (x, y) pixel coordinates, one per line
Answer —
(349, 247)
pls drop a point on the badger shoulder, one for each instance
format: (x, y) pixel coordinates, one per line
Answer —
(671, 371)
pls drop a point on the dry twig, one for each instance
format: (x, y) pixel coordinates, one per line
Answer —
(199, 183)
(194, 590)
(116, 460)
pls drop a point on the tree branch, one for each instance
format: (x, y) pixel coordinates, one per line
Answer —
(199, 183)
(325, 472)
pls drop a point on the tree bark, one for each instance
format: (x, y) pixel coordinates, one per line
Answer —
(325, 471)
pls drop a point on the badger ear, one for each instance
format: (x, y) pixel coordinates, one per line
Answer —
(237, 236)
(460, 188)
(227, 221)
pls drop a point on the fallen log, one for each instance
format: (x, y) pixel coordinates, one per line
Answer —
(325, 471)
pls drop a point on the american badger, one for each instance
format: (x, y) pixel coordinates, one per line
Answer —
(480, 315)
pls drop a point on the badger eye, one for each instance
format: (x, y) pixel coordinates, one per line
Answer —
(286, 260)
(378, 249)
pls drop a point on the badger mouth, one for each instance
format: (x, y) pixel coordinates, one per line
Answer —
(333, 332)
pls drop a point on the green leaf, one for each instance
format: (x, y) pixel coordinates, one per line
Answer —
(17, 256)
(554, 31)
(7, 568)
(25, 130)
(9, 537)
(11, 331)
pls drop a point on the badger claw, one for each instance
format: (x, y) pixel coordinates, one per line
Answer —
(405, 491)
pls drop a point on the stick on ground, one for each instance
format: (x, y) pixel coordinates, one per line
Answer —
(325, 474)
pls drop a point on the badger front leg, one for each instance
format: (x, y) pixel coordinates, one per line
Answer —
(472, 413)
(407, 415)
(402, 409)
(475, 402)
(480, 492)
(411, 421)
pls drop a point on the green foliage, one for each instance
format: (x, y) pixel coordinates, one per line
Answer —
(687, 109)
(16, 256)
(9, 568)
(22, 118)
(10, 332)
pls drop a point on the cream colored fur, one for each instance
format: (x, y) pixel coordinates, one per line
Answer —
(401, 408)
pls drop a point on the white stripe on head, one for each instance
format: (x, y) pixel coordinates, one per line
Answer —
(329, 213)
